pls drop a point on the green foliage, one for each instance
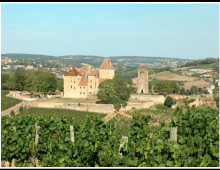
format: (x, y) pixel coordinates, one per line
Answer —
(186, 101)
(97, 143)
(60, 85)
(114, 91)
(187, 92)
(21, 109)
(166, 87)
(201, 62)
(194, 90)
(7, 102)
(12, 113)
(182, 91)
(20, 78)
(168, 102)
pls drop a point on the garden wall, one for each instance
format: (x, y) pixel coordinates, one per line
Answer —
(148, 98)
(99, 108)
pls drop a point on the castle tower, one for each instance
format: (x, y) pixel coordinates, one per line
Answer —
(107, 70)
(142, 82)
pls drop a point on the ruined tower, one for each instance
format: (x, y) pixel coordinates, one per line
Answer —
(142, 82)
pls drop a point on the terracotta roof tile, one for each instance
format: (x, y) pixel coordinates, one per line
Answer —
(72, 72)
(101, 80)
(143, 68)
(94, 72)
(82, 71)
(106, 64)
(83, 82)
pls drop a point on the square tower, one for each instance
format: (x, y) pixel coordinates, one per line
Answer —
(142, 82)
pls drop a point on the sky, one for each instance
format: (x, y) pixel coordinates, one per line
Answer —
(188, 31)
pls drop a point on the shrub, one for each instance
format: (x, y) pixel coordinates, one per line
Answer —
(12, 113)
(78, 104)
(21, 109)
(169, 101)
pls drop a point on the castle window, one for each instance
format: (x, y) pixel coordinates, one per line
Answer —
(80, 87)
(84, 92)
(74, 81)
(71, 86)
(80, 92)
(84, 87)
(90, 87)
(90, 81)
(74, 88)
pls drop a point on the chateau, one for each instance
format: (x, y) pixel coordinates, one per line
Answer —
(84, 82)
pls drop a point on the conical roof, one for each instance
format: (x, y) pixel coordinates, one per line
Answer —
(106, 64)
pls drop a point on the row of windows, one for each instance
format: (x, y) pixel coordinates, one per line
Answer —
(142, 71)
(82, 93)
(81, 87)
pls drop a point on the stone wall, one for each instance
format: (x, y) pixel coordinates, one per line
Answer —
(99, 108)
(148, 98)
(130, 106)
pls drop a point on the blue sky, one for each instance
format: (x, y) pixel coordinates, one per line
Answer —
(189, 31)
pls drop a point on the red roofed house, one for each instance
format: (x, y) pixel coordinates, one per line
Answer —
(84, 82)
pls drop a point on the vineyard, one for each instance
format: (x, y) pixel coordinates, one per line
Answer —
(96, 143)
(7, 102)
(79, 116)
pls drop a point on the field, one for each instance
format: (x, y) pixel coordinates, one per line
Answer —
(166, 75)
(200, 83)
(205, 66)
(40, 112)
(7, 102)
(69, 100)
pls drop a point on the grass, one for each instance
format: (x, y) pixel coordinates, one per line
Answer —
(7, 102)
(204, 66)
(39, 112)
(166, 75)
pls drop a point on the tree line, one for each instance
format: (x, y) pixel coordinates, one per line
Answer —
(39, 81)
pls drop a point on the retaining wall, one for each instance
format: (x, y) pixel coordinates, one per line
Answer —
(148, 98)
(99, 108)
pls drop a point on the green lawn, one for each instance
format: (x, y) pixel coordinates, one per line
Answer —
(78, 115)
(7, 102)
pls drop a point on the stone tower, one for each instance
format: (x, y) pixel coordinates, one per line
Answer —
(142, 82)
(107, 70)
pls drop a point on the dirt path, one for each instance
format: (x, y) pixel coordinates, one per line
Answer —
(110, 116)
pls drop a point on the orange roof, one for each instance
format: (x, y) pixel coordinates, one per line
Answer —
(106, 64)
(72, 72)
(83, 82)
(143, 68)
(82, 72)
(94, 72)
(101, 80)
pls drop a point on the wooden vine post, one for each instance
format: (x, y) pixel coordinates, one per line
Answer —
(34, 160)
(72, 133)
(173, 133)
(123, 141)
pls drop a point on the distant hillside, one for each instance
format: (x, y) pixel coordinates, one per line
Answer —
(32, 56)
(96, 61)
(201, 62)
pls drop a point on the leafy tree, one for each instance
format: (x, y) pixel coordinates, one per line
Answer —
(194, 90)
(166, 87)
(169, 101)
(60, 85)
(187, 92)
(4, 79)
(182, 91)
(20, 78)
(114, 91)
